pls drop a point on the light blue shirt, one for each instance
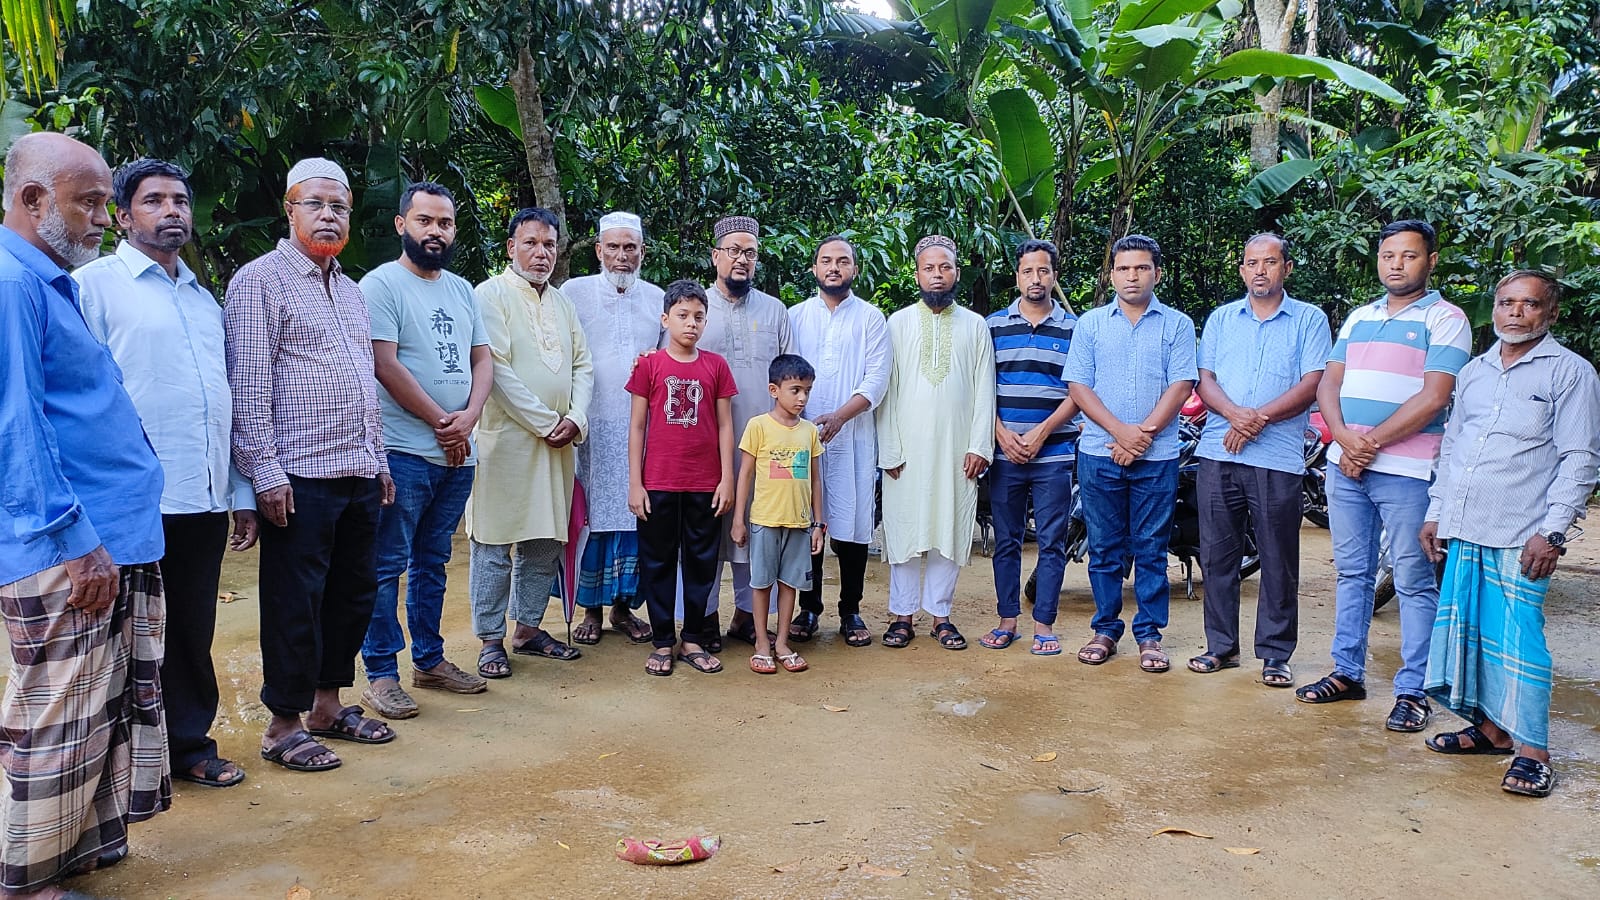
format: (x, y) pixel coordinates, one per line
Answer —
(1255, 362)
(78, 471)
(166, 335)
(1129, 366)
(434, 324)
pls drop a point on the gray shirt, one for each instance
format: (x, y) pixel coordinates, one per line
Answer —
(748, 332)
(435, 324)
(1520, 451)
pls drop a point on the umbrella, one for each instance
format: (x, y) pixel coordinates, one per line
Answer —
(577, 536)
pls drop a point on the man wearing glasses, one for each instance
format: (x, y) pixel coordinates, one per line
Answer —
(307, 434)
(748, 327)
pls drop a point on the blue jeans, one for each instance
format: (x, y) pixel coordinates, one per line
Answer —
(414, 538)
(1050, 484)
(1128, 513)
(1357, 510)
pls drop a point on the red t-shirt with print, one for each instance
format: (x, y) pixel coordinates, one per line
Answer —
(680, 445)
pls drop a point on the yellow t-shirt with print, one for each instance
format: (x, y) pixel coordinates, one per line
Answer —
(785, 463)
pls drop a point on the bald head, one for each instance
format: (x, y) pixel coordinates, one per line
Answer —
(55, 195)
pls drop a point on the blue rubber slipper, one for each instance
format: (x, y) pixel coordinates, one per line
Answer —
(1002, 638)
(1038, 641)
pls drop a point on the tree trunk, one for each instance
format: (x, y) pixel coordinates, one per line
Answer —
(539, 145)
(1275, 26)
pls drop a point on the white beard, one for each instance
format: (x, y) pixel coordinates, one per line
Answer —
(622, 281)
(53, 231)
(1521, 338)
(531, 277)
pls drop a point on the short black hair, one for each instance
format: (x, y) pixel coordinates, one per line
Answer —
(1552, 287)
(130, 175)
(426, 187)
(1034, 245)
(786, 366)
(1137, 242)
(681, 290)
(532, 214)
(1417, 226)
(1284, 247)
(833, 239)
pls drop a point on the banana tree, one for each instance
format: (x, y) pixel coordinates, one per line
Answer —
(34, 29)
(1153, 74)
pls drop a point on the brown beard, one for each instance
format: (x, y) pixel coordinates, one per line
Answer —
(320, 247)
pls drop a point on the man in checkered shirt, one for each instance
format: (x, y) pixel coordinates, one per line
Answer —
(306, 432)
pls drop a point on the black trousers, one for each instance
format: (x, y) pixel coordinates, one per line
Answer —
(1226, 493)
(318, 583)
(852, 579)
(191, 569)
(682, 531)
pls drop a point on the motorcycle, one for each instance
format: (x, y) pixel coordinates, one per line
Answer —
(1183, 540)
(1314, 486)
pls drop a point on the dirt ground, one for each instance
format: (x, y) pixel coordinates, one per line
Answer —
(931, 770)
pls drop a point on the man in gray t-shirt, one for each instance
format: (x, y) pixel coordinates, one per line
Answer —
(434, 372)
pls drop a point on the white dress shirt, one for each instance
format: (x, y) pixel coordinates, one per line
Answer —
(166, 335)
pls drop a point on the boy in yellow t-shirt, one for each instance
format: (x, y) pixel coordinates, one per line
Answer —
(778, 462)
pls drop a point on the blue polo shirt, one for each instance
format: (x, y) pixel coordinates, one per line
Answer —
(1129, 366)
(1029, 366)
(1256, 361)
(78, 470)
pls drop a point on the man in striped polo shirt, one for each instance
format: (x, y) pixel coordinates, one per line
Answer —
(1384, 397)
(1035, 445)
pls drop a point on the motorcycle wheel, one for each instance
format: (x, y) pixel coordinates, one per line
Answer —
(1030, 589)
(1317, 517)
(1384, 591)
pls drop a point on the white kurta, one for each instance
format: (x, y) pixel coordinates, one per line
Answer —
(849, 347)
(748, 333)
(619, 327)
(939, 407)
(522, 490)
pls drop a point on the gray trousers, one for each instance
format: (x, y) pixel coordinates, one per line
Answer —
(1226, 493)
(519, 574)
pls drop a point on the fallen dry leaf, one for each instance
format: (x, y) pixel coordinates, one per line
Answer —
(789, 866)
(1046, 757)
(609, 755)
(562, 845)
(298, 892)
(1243, 851)
(880, 871)
(1174, 830)
(836, 708)
(229, 596)
(471, 709)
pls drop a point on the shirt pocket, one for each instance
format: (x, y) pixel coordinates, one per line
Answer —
(1525, 416)
(764, 342)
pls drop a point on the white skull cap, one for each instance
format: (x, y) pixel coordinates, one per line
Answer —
(317, 167)
(621, 220)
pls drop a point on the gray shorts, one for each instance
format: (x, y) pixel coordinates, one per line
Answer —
(780, 555)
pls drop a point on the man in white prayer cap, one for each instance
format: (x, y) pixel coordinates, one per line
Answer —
(307, 433)
(621, 318)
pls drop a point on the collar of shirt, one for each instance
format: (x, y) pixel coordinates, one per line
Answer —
(1057, 314)
(138, 264)
(849, 297)
(305, 264)
(1381, 305)
(524, 286)
(1547, 346)
(1245, 309)
(35, 261)
(1156, 307)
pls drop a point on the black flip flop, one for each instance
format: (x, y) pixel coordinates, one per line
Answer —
(657, 655)
(1331, 688)
(1209, 662)
(899, 634)
(1275, 673)
(807, 622)
(492, 654)
(697, 662)
(546, 646)
(346, 726)
(212, 776)
(1540, 775)
(1450, 743)
(288, 753)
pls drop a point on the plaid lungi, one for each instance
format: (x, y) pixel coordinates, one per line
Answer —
(82, 738)
(608, 573)
(1488, 656)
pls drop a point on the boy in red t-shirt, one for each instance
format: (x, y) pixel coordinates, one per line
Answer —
(680, 475)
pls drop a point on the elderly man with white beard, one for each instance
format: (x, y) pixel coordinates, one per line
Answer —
(621, 317)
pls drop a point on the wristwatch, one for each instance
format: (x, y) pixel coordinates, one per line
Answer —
(815, 525)
(1557, 539)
